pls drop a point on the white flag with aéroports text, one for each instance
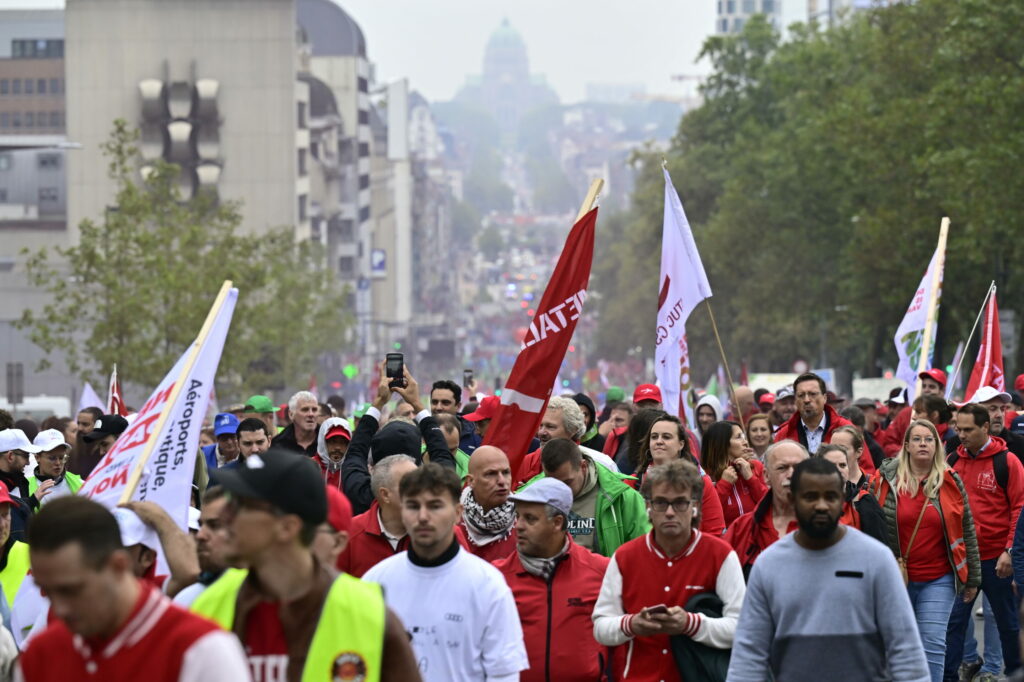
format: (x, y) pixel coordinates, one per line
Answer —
(682, 285)
(167, 475)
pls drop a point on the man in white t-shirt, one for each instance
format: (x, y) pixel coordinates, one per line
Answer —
(457, 608)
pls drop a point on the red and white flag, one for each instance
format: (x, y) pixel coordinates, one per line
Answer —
(163, 439)
(683, 285)
(988, 367)
(115, 399)
(529, 385)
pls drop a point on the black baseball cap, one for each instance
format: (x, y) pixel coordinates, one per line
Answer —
(291, 482)
(107, 425)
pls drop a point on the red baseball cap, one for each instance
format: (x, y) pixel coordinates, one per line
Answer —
(646, 392)
(338, 430)
(487, 408)
(5, 497)
(1018, 383)
(935, 374)
(768, 398)
(339, 510)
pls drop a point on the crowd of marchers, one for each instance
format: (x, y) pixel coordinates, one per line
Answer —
(787, 535)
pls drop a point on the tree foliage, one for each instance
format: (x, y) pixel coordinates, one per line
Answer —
(815, 175)
(138, 284)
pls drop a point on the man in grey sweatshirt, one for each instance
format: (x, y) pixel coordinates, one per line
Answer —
(826, 602)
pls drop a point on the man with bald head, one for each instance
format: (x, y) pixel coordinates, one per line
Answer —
(745, 403)
(488, 516)
(773, 517)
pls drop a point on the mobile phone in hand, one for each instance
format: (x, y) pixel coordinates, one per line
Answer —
(394, 369)
(652, 610)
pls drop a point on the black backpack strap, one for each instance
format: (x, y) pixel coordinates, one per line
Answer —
(1001, 469)
(952, 458)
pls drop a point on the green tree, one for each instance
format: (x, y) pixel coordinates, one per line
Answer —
(136, 287)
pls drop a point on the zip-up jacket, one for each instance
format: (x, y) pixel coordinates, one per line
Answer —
(754, 532)
(957, 522)
(742, 496)
(994, 510)
(794, 428)
(620, 514)
(556, 615)
(67, 484)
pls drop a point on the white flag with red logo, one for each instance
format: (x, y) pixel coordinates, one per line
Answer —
(683, 285)
(988, 367)
(910, 334)
(164, 437)
(115, 400)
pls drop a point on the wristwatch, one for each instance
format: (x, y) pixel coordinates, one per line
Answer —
(1009, 550)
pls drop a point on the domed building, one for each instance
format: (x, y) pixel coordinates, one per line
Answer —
(506, 89)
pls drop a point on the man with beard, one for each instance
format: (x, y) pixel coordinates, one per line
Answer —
(783, 408)
(212, 544)
(826, 602)
(487, 515)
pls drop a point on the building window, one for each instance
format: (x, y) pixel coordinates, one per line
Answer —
(16, 119)
(3, 195)
(54, 86)
(364, 116)
(5, 122)
(303, 199)
(737, 24)
(55, 119)
(36, 49)
(730, 6)
(302, 163)
(5, 162)
(364, 181)
(362, 84)
(47, 194)
(49, 161)
(5, 86)
(347, 266)
(768, 6)
(16, 86)
(748, 6)
(719, 6)
(30, 86)
(302, 114)
(30, 119)
(41, 86)
(346, 232)
(364, 149)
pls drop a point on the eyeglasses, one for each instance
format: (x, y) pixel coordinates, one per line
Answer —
(917, 440)
(680, 504)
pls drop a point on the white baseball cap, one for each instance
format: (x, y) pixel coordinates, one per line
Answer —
(15, 439)
(987, 393)
(50, 439)
(134, 530)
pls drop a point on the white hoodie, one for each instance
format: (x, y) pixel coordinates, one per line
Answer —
(712, 402)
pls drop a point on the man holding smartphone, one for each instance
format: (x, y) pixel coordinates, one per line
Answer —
(651, 579)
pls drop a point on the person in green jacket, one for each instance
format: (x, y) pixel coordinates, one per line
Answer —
(606, 511)
(51, 479)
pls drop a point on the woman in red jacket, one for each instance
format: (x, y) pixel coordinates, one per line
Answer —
(729, 461)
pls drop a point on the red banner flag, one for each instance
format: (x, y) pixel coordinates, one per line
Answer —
(115, 400)
(529, 385)
(988, 367)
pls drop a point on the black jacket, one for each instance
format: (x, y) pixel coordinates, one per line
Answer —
(872, 518)
(355, 473)
(286, 439)
(23, 504)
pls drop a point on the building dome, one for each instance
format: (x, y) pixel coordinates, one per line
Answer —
(505, 54)
(332, 32)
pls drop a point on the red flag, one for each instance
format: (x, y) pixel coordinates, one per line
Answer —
(988, 367)
(115, 400)
(313, 387)
(529, 385)
(744, 376)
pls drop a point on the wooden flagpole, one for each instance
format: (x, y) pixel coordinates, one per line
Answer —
(136, 475)
(725, 362)
(590, 200)
(933, 301)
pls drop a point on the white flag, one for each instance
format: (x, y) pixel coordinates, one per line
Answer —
(167, 475)
(683, 285)
(90, 398)
(910, 334)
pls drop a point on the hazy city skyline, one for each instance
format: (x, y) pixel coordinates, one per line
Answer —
(437, 44)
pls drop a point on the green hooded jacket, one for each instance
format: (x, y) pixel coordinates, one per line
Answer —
(620, 513)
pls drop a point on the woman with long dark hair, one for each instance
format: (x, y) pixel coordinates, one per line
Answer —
(729, 461)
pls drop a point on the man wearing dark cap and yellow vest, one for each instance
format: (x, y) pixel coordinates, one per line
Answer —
(296, 620)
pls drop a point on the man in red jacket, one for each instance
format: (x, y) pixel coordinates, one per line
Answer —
(774, 517)
(555, 583)
(814, 420)
(994, 481)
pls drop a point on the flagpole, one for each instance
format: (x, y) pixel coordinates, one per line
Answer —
(590, 200)
(725, 362)
(933, 298)
(967, 346)
(211, 317)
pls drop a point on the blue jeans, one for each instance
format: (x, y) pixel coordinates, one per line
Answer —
(932, 602)
(1000, 595)
(993, 658)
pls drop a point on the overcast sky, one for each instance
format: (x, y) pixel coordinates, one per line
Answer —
(436, 43)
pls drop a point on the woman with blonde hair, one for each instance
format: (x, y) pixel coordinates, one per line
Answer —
(931, 533)
(759, 434)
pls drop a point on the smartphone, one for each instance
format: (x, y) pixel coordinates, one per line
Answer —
(394, 369)
(660, 608)
(467, 377)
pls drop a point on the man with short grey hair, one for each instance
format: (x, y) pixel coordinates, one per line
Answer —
(300, 435)
(378, 533)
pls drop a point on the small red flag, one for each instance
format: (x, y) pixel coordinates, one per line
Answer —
(115, 399)
(988, 367)
(529, 386)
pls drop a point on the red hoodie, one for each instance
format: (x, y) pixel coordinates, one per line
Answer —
(995, 510)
